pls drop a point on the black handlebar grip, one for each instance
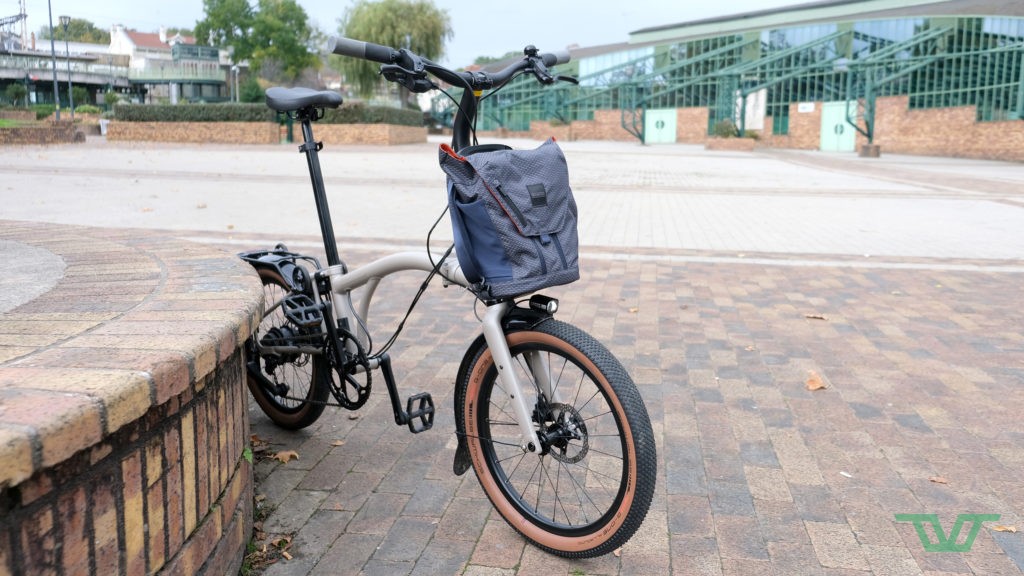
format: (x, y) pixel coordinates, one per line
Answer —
(551, 59)
(359, 49)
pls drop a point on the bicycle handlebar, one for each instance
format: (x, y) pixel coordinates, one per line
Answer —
(362, 50)
(387, 55)
(410, 70)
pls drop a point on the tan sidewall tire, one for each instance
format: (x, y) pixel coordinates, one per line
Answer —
(489, 484)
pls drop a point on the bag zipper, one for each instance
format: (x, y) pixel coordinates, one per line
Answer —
(519, 214)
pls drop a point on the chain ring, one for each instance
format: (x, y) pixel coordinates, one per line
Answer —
(350, 392)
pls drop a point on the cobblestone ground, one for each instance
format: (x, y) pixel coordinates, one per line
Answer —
(723, 282)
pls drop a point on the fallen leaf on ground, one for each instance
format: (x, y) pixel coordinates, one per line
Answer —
(1011, 529)
(938, 480)
(634, 310)
(815, 317)
(286, 455)
(338, 443)
(617, 552)
(814, 381)
(286, 555)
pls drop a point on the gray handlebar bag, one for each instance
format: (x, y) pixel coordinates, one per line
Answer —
(513, 217)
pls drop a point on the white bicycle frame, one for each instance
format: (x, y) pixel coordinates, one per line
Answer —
(368, 277)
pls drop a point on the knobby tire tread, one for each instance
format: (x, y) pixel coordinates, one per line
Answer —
(636, 419)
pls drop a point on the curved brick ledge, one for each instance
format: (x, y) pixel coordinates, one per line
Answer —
(123, 408)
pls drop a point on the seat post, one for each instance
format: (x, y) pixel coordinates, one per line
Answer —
(311, 148)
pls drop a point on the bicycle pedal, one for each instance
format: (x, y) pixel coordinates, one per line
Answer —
(302, 311)
(423, 412)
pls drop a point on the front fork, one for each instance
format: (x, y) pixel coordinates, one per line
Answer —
(502, 356)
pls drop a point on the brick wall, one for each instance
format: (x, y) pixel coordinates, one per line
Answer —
(606, 125)
(23, 115)
(950, 132)
(691, 125)
(195, 132)
(379, 134)
(262, 133)
(61, 133)
(125, 408)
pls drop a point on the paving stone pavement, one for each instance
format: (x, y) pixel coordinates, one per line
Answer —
(722, 281)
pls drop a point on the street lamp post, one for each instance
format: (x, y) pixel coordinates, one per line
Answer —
(234, 72)
(64, 21)
(53, 57)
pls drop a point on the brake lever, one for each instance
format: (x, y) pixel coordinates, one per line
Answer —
(414, 82)
(541, 71)
(569, 79)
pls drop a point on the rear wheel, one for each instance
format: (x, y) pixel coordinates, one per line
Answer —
(290, 388)
(589, 488)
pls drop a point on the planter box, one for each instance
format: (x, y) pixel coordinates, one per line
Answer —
(261, 133)
(869, 151)
(734, 144)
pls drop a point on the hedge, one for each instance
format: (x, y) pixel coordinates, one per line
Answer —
(193, 113)
(356, 113)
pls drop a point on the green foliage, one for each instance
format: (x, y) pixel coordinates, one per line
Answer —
(250, 90)
(44, 110)
(234, 112)
(226, 24)
(280, 32)
(414, 24)
(275, 33)
(80, 94)
(359, 113)
(724, 129)
(88, 109)
(193, 113)
(16, 93)
(79, 30)
(110, 98)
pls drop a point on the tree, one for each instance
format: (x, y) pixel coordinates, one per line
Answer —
(250, 90)
(280, 32)
(16, 92)
(227, 23)
(275, 31)
(417, 25)
(79, 30)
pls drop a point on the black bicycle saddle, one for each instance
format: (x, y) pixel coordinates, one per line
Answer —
(291, 99)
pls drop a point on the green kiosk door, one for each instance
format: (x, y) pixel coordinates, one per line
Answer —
(660, 126)
(836, 133)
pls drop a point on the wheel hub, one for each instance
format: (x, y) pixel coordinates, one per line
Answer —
(563, 434)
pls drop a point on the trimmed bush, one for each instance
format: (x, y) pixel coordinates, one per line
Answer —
(193, 113)
(44, 110)
(87, 109)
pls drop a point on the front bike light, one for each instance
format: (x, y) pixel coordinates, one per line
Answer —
(542, 303)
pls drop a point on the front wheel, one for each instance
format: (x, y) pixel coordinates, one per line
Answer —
(586, 492)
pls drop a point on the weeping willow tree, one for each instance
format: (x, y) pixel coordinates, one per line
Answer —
(417, 25)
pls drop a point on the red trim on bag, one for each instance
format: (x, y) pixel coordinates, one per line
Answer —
(448, 150)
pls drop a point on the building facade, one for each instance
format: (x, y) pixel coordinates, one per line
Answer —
(910, 75)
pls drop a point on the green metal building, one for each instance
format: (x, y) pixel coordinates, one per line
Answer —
(753, 71)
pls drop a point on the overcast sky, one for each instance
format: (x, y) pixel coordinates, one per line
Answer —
(481, 28)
